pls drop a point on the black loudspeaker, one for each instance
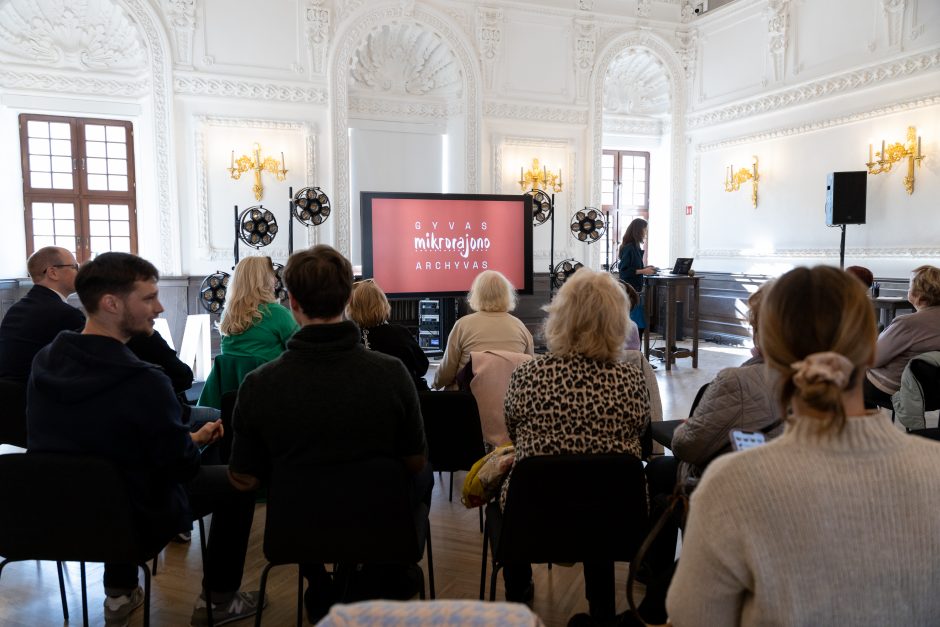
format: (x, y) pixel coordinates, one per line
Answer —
(845, 197)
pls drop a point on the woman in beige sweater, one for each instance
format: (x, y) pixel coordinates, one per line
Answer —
(833, 523)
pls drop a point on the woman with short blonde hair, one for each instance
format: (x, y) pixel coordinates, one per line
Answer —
(490, 327)
(369, 308)
(587, 318)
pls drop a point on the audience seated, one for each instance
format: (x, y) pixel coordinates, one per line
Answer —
(254, 327)
(491, 373)
(738, 398)
(633, 332)
(863, 274)
(906, 337)
(369, 308)
(35, 320)
(89, 394)
(579, 398)
(833, 523)
(490, 327)
(327, 400)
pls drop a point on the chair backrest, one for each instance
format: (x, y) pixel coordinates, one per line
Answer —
(228, 433)
(452, 428)
(65, 508)
(354, 512)
(929, 378)
(574, 508)
(12, 413)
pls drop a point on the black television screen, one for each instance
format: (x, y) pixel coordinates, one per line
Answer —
(435, 244)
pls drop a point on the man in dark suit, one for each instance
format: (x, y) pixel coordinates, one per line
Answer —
(35, 320)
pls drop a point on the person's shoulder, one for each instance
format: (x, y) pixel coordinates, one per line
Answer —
(275, 309)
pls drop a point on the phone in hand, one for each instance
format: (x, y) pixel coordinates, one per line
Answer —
(742, 440)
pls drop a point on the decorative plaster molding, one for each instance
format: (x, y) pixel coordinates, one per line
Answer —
(686, 12)
(636, 84)
(687, 50)
(349, 40)
(405, 59)
(823, 253)
(643, 8)
(778, 29)
(630, 125)
(193, 85)
(894, 20)
(75, 84)
(202, 177)
(816, 90)
(489, 38)
(586, 5)
(182, 17)
(777, 133)
(318, 34)
(388, 108)
(83, 36)
(585, 43)
(535, 113)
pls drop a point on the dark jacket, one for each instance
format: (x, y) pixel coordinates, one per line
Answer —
(397, 341)
(631, 260)
(154, 349)
(89, 394)
(31, 323)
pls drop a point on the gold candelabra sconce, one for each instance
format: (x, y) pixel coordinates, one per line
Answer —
(538, 177)
(734, 180)
(893, 153)
(256, 164)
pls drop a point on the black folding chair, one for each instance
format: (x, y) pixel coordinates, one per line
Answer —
(567, 508)
(37, 488)
(356, 513)
(13, 413)
(452, 427)
(929, 378)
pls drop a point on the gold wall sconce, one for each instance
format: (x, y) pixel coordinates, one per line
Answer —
(256, 164)
(733, 180)
(893, 153)
(538, 177)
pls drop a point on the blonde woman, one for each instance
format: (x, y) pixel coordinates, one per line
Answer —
(369, 308)
(254, 327)
(490, 327)
(834, 522)
(552, 407)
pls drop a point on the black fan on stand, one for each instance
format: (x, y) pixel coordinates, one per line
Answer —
(256, 226)
(213, 290)
(542, 207)
(563, 271)
(588, 225)
(280, 292)
(310, 206)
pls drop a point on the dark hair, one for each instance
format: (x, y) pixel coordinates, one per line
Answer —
(862, 274)
(320, 280)
(111, 273)
(633, 234)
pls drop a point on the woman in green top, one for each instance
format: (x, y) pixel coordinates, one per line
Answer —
(254, 327)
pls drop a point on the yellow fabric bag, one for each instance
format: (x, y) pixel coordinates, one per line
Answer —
(486, 475)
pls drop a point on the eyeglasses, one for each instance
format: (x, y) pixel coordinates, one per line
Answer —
(73, 266)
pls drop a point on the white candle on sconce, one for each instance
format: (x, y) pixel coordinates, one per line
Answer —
(871, 156)
(232, 164)
(918, 147)
(882, 150)
(521, 174)
(283, 166)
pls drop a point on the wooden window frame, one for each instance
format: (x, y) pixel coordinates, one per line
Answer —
(79, 196)
(641, 210)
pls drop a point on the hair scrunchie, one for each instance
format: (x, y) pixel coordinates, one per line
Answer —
(827, 367)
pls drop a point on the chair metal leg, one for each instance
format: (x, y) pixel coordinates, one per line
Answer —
(84, 596)
(430, 562)
(146, 595)
(496, 567)
(300, 596)
(481, 518)
(156, 558)
(451, 496)
(65, 605)
(549, 566)
(204, 550)
(421, 592)
(264, 584)
(486, 539)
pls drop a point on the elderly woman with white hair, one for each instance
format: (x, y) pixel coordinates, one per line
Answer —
(490, 328)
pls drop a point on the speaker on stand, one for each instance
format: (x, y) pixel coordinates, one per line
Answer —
(845, 202)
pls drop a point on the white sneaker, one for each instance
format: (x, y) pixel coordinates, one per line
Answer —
(117, 610)
(242, 605)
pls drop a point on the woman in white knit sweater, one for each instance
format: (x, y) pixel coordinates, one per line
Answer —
(833, 523)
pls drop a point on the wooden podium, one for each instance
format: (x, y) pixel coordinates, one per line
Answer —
(671, 284)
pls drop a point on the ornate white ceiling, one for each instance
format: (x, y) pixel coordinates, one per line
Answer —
(74, 34)
(405, 60)
(636, 84)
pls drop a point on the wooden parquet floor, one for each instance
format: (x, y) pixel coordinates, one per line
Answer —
(29, 590)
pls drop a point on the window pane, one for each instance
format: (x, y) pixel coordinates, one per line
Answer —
(121, 244)
(40, 179)
(117, 166)
(97, 181)
(639, 199)
(607, 174)
(121, 228)
(62, 180)
(59, 130)
(117, 151)
(65, 242)
(42, 242)
(35, 128)
(43, 227)
(607, 161)
(94, 132)
(607, 198)
(639, 175)
(64, 211)
(97, 212)
(41, 163)
(61, 147)
(607, 187)
(639, 163)
(98, 227)
(61, 164)
(117, 183)
(95, 149)
(65, 227)
(38, 146)
(96, 166)
(115, 134)
(119, 212)
(100, 245)
(42, 210)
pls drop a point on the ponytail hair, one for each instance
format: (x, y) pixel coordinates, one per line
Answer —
(817, 328)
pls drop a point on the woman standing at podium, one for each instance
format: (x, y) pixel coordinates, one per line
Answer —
(633, 268)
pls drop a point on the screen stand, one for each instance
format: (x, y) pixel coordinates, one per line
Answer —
(551, 255)
(842, 248)
(290, 221)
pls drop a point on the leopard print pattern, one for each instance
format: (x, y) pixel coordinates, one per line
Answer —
(570, 404)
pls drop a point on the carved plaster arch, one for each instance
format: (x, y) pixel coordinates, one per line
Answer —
(663, 51)
(348, 38)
